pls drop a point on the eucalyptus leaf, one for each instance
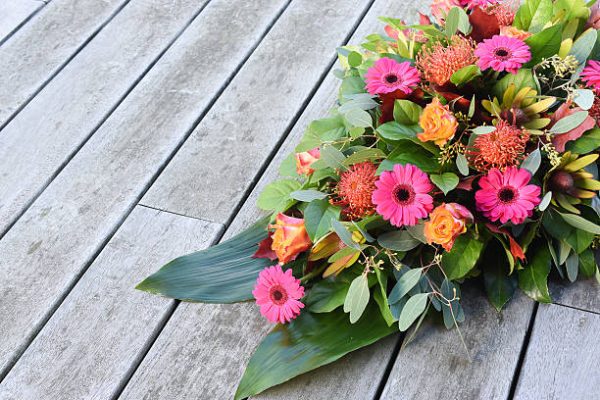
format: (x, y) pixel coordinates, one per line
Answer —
(462, 164)
(532, 162)
(225, 273)
(414, 307)
(317, 218)
(569, 122)
(584, 98)
(584, 45)
(405, 284)
(572, 266)
(581, 223)
(357, 298)
(545, 201)
(308, 195)
(398, 241)
(483, 130)
(344, 234)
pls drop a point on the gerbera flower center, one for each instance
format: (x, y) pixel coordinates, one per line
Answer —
(507, 195)
(502, 53)
(391, 78)
(278, 295)
(404, 195)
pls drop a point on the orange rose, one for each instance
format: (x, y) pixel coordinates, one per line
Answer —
(290, 238)
(305, 159)
(438, 123)
(446, 223)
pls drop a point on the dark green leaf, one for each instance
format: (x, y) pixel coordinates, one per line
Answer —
(499, 286)
(451, 309)
(405, 284)
(587, 263)
(544, 44)
(463, 257)
(406, 112)
(533, 278)
(317, 218)
(306, 343)
(344, 234)
(225, 273)
(581, 223)
(398, 241)
(326, 295)
(590, 141)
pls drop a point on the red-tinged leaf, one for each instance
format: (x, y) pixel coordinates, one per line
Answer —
(484, 25)
(466, 183)
(264, 249)
(515, 249)
(561, 140)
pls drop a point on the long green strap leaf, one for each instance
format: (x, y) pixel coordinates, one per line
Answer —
(306, 343)
(225, 273)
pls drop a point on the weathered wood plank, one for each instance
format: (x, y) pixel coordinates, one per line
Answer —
(15, 13)
(205, 346)
(583, 294)
(208, 175)
(435, 365)
(52, 127)
(45, 252)
(38, 50)
(88, 347)
(563, 356)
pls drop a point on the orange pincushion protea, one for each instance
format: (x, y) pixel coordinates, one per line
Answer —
(501, 148)
(437, 63)
(354, 190)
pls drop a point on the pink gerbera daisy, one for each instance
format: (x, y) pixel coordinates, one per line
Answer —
(402, 195)
(389, 75)
(277, 293)
(502, 53)
(507, 196)
(591, 74)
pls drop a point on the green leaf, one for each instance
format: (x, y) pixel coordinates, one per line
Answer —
(452, 312)
(398, 241)
(381, 299)
(363, 155)
(410, 153)
(583, 46)
(326, 295)
(572, 266)
(532, 15)
(462, 258)
(446, 181)
(544, 44)
(354, 59)
(413, 308)
(533, 278)
(580, 223)
(465, 75)
(523, 78)
(483, 130)
(308, 195)
(590, 141)
(406, 112)
(499, 286)
(394, 132)
(351, 85)
(545, 201)
(344, 234)
(306, 343)
(359, 118)
(357, 298)
(584, 98)
(332, 157)
(288, 167)
(317, 218)
(462, 164)
(569, 122)
(276, 195)
(587, 263)
(406, 282)
(225, 273)
(556, 226)
(457, 20)
(532, 162)
(322, 130)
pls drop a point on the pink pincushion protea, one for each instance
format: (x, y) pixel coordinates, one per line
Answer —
(277, 293)
(507, 196)
(591, 74)
(389, 75)
(502, 53)
(402, 195)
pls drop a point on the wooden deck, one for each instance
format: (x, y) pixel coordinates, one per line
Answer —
(116, 117)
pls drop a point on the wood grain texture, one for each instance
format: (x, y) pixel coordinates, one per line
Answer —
(204, 348)
(583, 294)
(563, 356)
(14, 13)
(41, 47)
(435, 365)
(87, 349)
(217, 164)
(68, 224)
(61, 117)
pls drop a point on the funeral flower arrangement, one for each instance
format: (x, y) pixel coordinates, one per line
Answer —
(461, 148)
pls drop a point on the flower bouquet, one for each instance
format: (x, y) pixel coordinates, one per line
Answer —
(461, 148)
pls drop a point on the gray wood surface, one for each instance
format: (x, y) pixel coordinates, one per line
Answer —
(583, 294)
(563, 356)
(14, 13)
(61, 117)
(35, 52)
(104, 326)
(68, 224)
(436, 366)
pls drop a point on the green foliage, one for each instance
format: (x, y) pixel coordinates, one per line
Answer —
(499, 286)
(276, 195)
(306, 343)
(357, 298)
(326, 295)
(446, 181)
(406, 282)
(544, 44)
(322, 130)
(308, 195)
(465, 75)
(523, 78)
(457, 20)
(398, 241)
(344, 234)
(463, 257)
(406, 112)
(225, 273)
(533, 278)
(532, 162)
(533, 15)
(569, 122)
(317, 218)
(410, 153)
(414, 307)
(590, 141)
